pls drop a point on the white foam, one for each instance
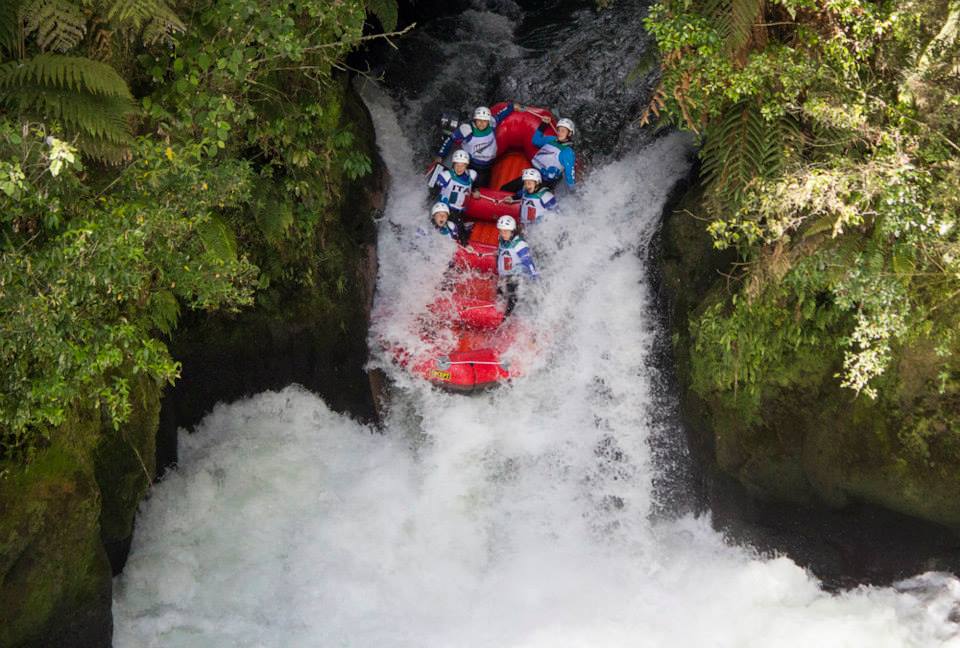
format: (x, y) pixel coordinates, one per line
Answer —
(289, 525)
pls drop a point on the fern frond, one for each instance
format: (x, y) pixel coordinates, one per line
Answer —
(59, 25)
(154, 18)
(718, 10)
(65, 72)
(100, 149)
(792, 138)
(739, 147)
(164, 311)
(274, 220)
(744, 14)
(95, 116)
(736, 20)
(9, 24)
(386, 12)
(87, 97)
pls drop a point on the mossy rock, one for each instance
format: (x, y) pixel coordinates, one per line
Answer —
(812, 441)
(55, 582)
(125, 466)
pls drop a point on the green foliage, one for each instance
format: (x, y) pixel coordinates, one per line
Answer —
(773, 337)
(258, 79)
(9, 24)
(741, 146)
(84, 97)
(154, 19)
(61, 25)
(58, 25)
(78, 310)
(87, 97)
(385, 11)
(825, 126)
(231, 179)
(67, 73)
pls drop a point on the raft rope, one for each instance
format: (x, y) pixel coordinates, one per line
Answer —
(444, 361)
(539, 113)
(475, 362)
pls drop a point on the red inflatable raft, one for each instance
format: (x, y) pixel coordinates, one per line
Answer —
(515, 149)
(467, 306)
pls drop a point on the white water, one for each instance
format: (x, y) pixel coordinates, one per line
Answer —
(515, 518)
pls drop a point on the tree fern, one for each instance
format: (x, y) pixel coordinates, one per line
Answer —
(91, 115)
(736, 20)
(58, 25)
(9, 24)
(88, 97)
(744, 15)
(105, 150)
(385, 11)
(64, 72)
(740, 146)
(153, 18)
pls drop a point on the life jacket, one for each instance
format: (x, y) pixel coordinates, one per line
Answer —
(534, 206)
(481, 145)
(547, 160)
(514, 258)
(454, 188)
(449, 229)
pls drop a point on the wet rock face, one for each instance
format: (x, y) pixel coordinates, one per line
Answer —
(125, 466)
(811, 442)
(55, 581)
(818, 476)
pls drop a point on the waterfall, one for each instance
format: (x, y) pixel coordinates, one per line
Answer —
(518, 517)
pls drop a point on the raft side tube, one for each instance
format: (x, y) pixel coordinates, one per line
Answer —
(466, 370)
(485, 209)
(483, 260)
(515, 132)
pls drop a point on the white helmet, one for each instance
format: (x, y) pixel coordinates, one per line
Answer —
(507, 223)
(440, 207)
(531, 174)
(566, 123)
(460, 156)
(482, 112)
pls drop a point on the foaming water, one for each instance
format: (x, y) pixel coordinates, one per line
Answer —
(289, 525)
(520, 517)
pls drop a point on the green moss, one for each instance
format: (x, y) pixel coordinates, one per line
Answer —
(333, 107)
(55, 579)
(53, 570)
(125, 463)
